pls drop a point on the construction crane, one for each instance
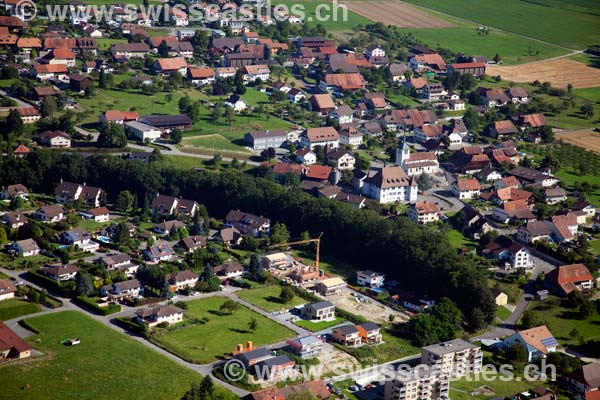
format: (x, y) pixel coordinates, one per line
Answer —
(316, 240)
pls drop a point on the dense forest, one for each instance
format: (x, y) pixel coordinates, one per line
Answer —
(419, 257)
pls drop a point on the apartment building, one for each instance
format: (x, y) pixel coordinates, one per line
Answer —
(454, 358)
(418, 384)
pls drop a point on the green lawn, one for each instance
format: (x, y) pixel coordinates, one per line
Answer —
(458, 240)
(502, 313)
(569, 23)
(570, 178)
(339, 24)
(562, 320)
(318, 326)
(512, 48)
(106, 99)
(592, 94)
(393, 348)
(329, 264)
(107, 43)
(595, 247)
(106, 365)
(13, 308)
(587, 59)
(253, 97)
(212, 141)
(267, 298)
(219, 337)
(461, 389)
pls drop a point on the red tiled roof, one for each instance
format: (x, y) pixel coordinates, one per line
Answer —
(320, 172)
(345, 81)
(468, 184)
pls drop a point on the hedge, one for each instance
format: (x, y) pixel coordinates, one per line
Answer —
(65, 289)
(92, 306)
(128, 324)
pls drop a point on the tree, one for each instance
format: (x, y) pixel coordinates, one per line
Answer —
(124, 200)
(33, 296)
(253, 325)
(43, 296)
(279, 234)
(216, 113)
(424, 182)
(14, 123)
(529, 320)
(163, 49)
(587, 109)
(49, 106)
(587, 308)
(286, 295)
(546, 134)
(229, 115)
(3, 237)
(112, 135)
(205, 390)
(229, 306)
(471, 119)
(516, 353)
(176, 136)
(83, 284)
(102, 79)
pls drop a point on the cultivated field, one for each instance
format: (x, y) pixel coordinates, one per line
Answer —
(559, 73)
(587, 140)
(371, 310)
(571, 23)
(397, 14)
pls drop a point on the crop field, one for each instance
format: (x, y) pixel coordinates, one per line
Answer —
(588, 140)
(335, 22)
(559, 73)
(465, 38)
(570, 23)
(397, 14)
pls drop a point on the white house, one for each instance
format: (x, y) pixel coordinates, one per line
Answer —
(538, 342)
(387, 185)
(423, 212)
(153, 316)
(99, 214)
(374, 50)
(323, 136)
(341, 159)
(369, 278)
(234, 101)
(25, 248)
(181, 280)
(49, 214)
(7, 289)
(306, 156)
(251, 73)
(416, 163)
(61, 273)
(466, 188)
(142, 131)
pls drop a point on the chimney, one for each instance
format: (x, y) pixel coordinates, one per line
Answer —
(239, 348)
(248, 344)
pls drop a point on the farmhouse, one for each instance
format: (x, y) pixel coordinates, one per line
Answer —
(473, 68)
(324, 136)
(55, 139)
(566, 278)
(166, 123)
(341, 82)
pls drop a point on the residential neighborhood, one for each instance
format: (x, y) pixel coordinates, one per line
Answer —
(266, 205)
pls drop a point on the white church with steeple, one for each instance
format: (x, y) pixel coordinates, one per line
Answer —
(415, 163)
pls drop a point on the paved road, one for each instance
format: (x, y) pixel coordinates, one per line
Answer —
(205, 369)
(20, 102)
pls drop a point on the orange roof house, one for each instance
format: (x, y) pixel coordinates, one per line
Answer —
(344, 81)
(567, 278)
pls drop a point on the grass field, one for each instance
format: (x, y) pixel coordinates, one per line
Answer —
(461, 389)
(267, 298)
(13, 308)
(219, 336)
(106, 365)
(512, 48)
(570, 178)
(318, 326)
(106, 99)
(502, 313)
(587, 59)
(592, 94)
(339, 24)
(392, 348)
(561, 321)
(458, 240)
(572, 23)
